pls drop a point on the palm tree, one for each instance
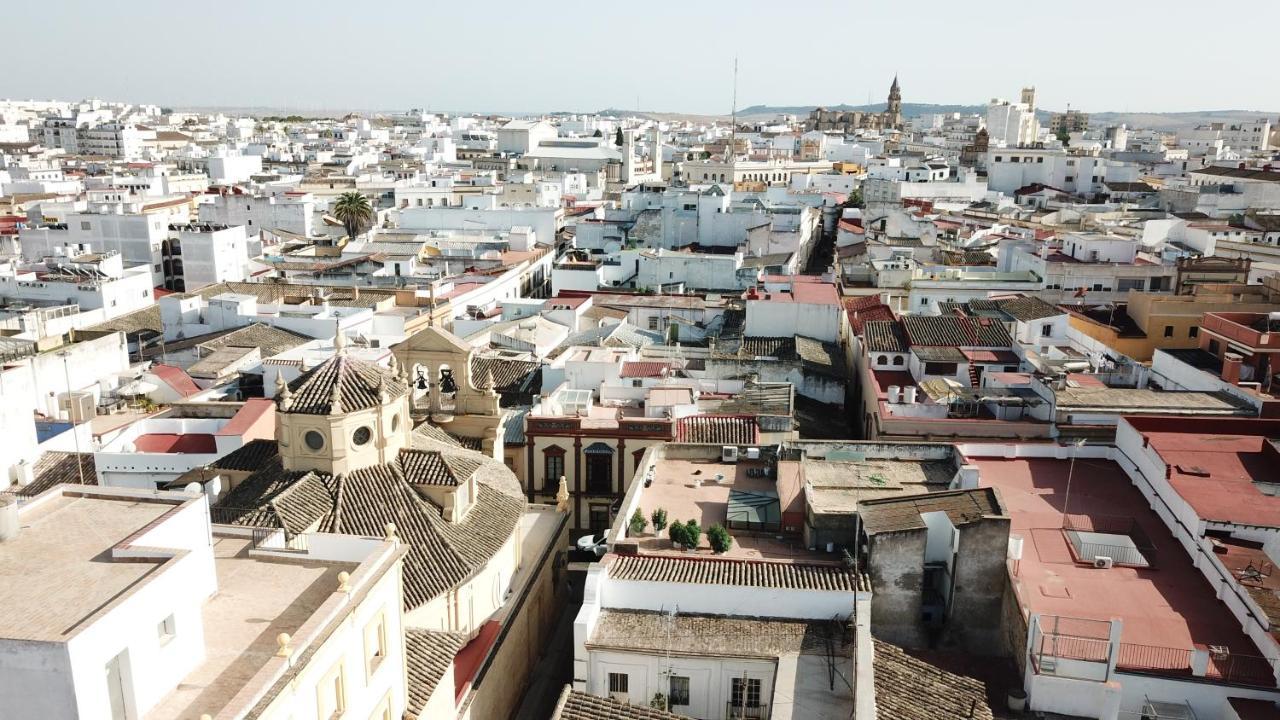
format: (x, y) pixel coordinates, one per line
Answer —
(354, 212)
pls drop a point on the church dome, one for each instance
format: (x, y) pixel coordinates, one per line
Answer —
(358, 385)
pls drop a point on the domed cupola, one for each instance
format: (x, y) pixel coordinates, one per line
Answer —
(342, 415)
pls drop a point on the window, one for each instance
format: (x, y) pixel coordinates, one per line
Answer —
(84, 225)
(313, 439)
(553, 468)
(166, 630)
(745, 694)
(939, 368)
(598, 518)
(618, 685)
(1193, 331)
(653, 323)
(395, 422)
(1046, 330)
(1168, 331)
(924, 302)
(899, 360)
(375, 644)
(1213, 346)
(679, 694)
(383, 711)
(361, 435)
(331, 696)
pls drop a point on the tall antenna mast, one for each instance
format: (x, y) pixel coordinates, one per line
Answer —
(733, 117)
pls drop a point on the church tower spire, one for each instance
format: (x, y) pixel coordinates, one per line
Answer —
(893, 110)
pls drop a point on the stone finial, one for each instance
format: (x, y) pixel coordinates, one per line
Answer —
(491, 383)
(394, 366)
(383, 394)
(335, 399)
(339, 340)
(344, 581)
(389, 531)
(562, 496)
(283, 642)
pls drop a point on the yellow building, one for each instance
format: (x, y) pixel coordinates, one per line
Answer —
(1148, 321)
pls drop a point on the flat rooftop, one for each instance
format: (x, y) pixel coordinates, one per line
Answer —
(258, 598)
(689, 490)
(1215, 474)
(1171, 605)
(62, 554)
(838, 486)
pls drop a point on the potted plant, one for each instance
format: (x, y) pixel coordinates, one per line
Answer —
(692, 533)
(719, 539)
(659, 518)
(679, 534)
(637, 523)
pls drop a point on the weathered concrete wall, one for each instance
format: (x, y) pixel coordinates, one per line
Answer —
(974, 619)
(897, 582)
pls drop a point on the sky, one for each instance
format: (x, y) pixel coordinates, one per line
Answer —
(521, 56)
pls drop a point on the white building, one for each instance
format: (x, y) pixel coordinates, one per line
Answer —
(157, 614)
(1013, 124)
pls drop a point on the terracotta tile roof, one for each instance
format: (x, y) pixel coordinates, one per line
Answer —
(428, 655)
(646, 369)
(749, 573)
(911, 689)
(270, 340)
(441, 554)
(721, 635)
(250, 456)
(955, 331)
(55, 468)
(885, 336)
(718, 429)
(431, 467)
(576, 705)
(510, 377)
(358, 385)
(1028, 308)
(894, 514)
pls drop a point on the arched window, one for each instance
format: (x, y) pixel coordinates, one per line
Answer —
(882, 360)
(898, 360)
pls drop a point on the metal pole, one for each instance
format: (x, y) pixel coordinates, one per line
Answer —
(1066, 501)
(75, 432)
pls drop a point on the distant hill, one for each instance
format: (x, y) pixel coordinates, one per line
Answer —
(909, 110)
(1153, 120)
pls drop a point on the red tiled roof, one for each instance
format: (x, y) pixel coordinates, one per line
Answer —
(645, 369)
(991, 356)
(718, 429)
(176, 378)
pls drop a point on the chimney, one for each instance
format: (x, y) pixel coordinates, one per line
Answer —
(1231, 368)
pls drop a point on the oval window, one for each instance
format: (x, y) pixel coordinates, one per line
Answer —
(313, 439)
(362, 435)
(395, 422)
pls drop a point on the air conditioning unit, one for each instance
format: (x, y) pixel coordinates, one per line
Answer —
(729, 454)
(1102, 562)
(753, 453)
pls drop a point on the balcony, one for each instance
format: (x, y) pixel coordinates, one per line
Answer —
(745, 712)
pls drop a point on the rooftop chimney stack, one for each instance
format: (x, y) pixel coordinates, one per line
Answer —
(1231, 368)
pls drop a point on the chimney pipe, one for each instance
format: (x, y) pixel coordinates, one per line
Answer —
(1231, 368)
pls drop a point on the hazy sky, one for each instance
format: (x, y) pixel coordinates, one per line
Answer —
(516, 55)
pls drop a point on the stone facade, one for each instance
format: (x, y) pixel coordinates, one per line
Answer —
(850, 121)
